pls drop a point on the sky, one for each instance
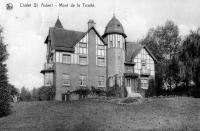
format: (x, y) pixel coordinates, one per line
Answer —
(25, 28)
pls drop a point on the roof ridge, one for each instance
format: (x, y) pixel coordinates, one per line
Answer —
(66, 29)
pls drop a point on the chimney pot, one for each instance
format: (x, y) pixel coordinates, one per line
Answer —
(91, 23)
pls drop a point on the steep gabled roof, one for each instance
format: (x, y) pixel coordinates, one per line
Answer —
(133, 48)
(65, 40)
(92, 28)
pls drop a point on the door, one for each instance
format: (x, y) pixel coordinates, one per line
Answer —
(65, 97)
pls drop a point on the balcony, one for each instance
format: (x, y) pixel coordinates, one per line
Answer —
(48, 67)
(145, 72)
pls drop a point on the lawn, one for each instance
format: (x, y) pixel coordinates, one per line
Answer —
(179, 113)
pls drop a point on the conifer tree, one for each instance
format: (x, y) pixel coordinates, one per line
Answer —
(4, 86)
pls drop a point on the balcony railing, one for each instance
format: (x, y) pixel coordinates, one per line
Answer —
(144, 71)
(48, 66)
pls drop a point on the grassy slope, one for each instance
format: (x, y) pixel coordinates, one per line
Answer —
(163, 113)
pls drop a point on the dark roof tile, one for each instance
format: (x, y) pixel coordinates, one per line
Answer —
(132, 49)
(58, 24)
(62, 39)
(114, 26)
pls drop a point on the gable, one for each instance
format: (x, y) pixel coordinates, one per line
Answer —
(133, 49)
(84, 39)
(62, 39)
(97, 33)
(143, 54)
(65, 40)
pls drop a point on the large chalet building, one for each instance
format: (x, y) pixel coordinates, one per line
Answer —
(77, 59)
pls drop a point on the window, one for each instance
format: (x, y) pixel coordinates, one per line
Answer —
(66, 79)
(129, 69)
(129, 82)
(83, 60)
(118, 44)
(143, 62)
(66, 58)
(48, 79)
(144, 83)
(111, 43)
(82, 80)
(83, 48)
(101, 61)
(101, 82)
(143, 65)
(111, 81)
(101, 50)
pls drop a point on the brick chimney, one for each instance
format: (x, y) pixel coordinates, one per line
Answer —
(91, 23)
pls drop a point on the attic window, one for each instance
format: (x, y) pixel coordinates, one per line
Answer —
(118, 25)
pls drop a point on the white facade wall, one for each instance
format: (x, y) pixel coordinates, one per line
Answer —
(144, 55)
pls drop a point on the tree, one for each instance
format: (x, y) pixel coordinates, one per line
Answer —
(163, 42)
(4, 89)
(190, 59)
(25, 94)
(35, 94)
(46, 93)
(13, 91)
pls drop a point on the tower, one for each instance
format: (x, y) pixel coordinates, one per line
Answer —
(115, 37)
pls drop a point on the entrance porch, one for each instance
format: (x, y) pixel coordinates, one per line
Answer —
(132, 84)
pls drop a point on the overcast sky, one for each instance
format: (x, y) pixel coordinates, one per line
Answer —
(25, 28)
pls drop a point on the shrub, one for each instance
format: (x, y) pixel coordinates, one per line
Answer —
(110, 92)
(195, 92)
(115, 91)
(151, 91)
(82, 92)
(98, 91)
(46, 93)
(125, 91)
(4, 100)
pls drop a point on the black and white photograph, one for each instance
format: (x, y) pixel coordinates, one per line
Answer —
(100, 65)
